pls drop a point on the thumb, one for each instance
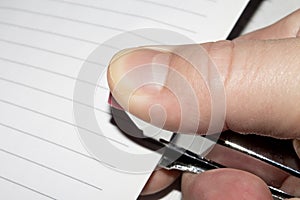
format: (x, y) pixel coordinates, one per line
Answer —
(260, 80)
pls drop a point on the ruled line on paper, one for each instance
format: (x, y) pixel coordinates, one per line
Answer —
(62, 18)
(26, 187)
(50, 142)
(62, 121)
(21, 64)
(56, 34)
(53, 94)
(51, 169)
(78, 21)
(49, 51)
(173, 7)
(124, 13)
(55, 144)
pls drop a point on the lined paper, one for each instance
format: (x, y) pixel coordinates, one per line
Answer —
(43, 44)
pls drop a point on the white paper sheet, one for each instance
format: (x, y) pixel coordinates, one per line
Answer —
(43, 45)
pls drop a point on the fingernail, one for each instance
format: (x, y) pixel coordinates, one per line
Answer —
(296, 144)
(159, 68)
(121, 53)
(141, 71)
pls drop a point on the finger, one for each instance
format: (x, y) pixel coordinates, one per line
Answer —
(224, 184)
(287, 27)
(261, 81)
(291, 184)
(159, 180)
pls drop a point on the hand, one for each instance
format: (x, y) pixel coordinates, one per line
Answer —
(261, 76)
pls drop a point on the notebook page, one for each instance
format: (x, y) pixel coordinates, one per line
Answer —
(43, 45)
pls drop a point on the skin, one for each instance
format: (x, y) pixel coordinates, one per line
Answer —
(261, 76)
